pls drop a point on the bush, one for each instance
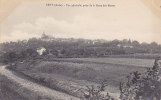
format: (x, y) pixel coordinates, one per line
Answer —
(145, 86)
(96, 93)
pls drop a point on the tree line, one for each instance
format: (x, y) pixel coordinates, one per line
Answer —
(63, 47)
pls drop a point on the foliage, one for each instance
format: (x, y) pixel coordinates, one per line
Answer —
(13, 56)
(147, 86)
(61, 47)
(96, 93)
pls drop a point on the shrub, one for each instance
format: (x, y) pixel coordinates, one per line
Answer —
(96, 93)
(145, 86)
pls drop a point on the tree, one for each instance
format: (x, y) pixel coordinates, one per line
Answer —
(9, 57)
(146, 86)
(135, 43)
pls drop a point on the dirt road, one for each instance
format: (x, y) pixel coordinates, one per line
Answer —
(39, 89)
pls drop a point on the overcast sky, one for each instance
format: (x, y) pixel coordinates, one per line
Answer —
(129, 19)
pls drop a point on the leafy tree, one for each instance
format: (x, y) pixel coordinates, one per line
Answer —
(146, 86)
(9, 57)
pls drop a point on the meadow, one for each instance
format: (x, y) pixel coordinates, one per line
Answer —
(10, 90)
(116, 61)
(70, 75)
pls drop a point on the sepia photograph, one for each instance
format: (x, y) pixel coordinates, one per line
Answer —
(80, 49)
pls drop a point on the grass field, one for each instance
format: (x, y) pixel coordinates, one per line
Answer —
(10, 90)
(118, 61)
(7, 92)
(71, 74)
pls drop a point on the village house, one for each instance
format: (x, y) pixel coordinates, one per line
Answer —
(41, 50)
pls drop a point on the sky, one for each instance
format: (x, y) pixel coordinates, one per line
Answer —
(129, 19)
